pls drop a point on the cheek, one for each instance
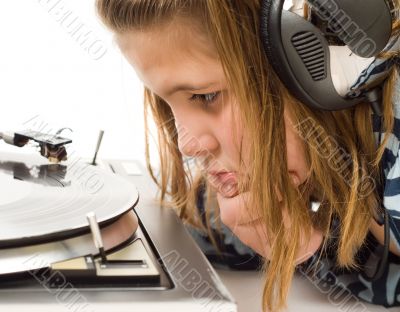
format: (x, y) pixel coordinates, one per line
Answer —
(230, 130)
(296, 154)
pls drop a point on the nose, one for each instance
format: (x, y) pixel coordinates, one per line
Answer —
(196, 143)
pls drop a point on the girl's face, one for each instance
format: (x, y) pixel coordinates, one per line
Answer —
(182, 67)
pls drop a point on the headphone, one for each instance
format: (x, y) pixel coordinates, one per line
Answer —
(318, 58)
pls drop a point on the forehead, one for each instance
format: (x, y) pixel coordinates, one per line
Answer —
(173, 54)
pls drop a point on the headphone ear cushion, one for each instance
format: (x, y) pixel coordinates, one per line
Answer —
(270, 10)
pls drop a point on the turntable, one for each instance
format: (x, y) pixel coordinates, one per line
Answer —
(74, 236)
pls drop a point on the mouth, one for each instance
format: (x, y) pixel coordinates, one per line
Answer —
(225, 182)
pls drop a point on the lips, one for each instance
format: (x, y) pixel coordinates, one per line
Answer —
(225, 182)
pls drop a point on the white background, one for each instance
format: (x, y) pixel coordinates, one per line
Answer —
(48, 76)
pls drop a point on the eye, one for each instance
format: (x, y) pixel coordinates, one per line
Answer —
(205, 99)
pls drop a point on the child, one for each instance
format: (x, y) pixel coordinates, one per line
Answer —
(236, 147)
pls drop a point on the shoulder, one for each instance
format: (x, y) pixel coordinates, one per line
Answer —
(391, 170)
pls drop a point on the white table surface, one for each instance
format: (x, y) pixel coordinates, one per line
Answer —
(246, 287)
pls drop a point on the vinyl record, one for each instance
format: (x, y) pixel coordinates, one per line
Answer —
(42, 202)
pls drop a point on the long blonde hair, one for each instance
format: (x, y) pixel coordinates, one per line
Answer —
(233, 28)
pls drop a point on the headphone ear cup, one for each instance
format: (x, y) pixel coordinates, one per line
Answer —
(299, 54)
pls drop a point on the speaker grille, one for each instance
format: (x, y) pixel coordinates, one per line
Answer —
(311, 51)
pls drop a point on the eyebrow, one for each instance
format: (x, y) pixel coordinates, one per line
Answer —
(187, 87)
